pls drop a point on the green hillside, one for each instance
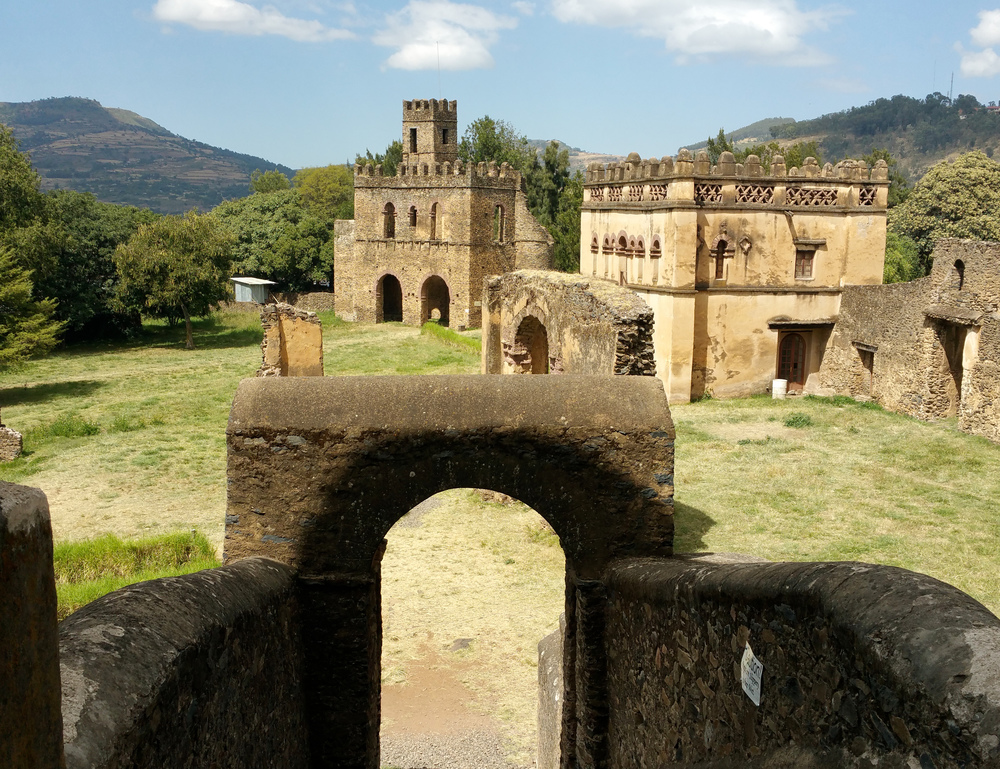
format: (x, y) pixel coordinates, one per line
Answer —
(122, 157)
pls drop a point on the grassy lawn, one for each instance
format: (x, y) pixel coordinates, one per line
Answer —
(828, 479)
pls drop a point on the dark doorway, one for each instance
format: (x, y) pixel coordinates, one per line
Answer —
(389, 297)
(530, 354)
(792, 361)
(435, 301)
(952, 338)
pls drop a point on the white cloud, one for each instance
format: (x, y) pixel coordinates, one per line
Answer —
(432, 33)
(240, 18)
(988, 31)
(986, 34)
(983, 63)
(767, 29)
(524, 8)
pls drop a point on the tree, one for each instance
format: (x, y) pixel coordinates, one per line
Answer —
(545, 182)
(19, 195)
(902, 259)
(487, 139)
(268, 181)
(794, 154)
(175, 267)
(69, 248)
(27, 326)
(278, 239)
(952, 200)
(327, 192)
(389, 160)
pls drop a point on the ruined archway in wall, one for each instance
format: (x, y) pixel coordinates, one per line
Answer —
(388, 300)
(319, 487)
(435, 296)
(530, 352)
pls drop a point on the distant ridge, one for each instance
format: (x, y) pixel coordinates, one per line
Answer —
(122, 157)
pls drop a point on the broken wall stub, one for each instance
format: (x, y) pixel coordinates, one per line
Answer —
(929, 348)
(293, 342)
(11, 443)
(320, 469)
(590, 327)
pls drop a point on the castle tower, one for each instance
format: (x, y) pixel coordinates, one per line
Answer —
(430, 132)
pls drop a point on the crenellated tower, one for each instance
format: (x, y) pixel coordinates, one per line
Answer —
(430, 131)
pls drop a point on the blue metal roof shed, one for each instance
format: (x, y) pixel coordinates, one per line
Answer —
(252, 289)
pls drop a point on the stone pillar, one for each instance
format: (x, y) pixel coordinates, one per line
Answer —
(30, 696)
(550, 697)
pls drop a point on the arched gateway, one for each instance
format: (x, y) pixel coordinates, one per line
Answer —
(319, 469)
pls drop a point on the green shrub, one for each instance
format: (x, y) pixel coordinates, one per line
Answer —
(71, 426)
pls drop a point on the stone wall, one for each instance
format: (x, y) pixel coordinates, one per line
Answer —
(862, 666)
(590, 327)
(201, 670)
(310, 301)
(292, 343)
(11, 444)
(30, 720)
(929, 348)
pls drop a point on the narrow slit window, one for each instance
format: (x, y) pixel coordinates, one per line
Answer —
(499, 224)
(413, 140)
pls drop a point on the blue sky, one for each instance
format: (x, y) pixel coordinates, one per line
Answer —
(311, 82)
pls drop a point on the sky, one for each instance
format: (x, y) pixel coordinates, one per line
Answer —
(313, 82)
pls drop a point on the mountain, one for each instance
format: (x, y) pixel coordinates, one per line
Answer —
(755, 133)
(125, 158)
(578, 159)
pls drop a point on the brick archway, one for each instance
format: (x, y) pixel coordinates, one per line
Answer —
(319, 470)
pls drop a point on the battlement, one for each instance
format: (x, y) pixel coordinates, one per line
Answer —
(463, 173)
(635, 168)
(430, 109)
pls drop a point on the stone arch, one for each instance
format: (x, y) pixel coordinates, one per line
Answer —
(319, 487)
(435, 296)
(388, 299)
(530, 352)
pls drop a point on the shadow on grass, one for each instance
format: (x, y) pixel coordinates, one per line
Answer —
(17, 396)
(209, 334)
(690, 527)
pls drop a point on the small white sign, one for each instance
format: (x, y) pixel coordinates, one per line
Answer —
(751, 669)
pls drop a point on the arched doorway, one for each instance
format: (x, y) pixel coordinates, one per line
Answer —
(389, 300)
(530, 351)
(435, 300)
(792, 360)
(471, 582)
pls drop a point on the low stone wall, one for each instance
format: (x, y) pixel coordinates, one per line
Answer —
(310, 301)
(201, 670)
(862, 666)
(590, 327)
(11, 444)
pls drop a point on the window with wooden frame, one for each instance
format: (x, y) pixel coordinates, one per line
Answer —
(804, 258)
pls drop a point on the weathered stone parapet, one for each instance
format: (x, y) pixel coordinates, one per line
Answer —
(200, 670)
(30, 719)
(861, 664)
(293, 342)
(591, 327)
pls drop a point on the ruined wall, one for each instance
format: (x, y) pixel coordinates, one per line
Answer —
(592, 327)
(201, 670)
(861, 664)
(292, 343)
(929, 348)
(534, 242)
(30, 720)
(11, 444)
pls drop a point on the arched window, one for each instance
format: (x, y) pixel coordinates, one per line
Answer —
(960, 273)
(640, 257)
(655, 252)
(434, 221)
(499, 224)
(530, 353)
(720, 260)
(593, 244)
(389, 221)
(413, 216)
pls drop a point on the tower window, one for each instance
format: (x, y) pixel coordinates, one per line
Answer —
(413, 140)
(389, 221)
(444, 135)
(499, 225)
(413, 216)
